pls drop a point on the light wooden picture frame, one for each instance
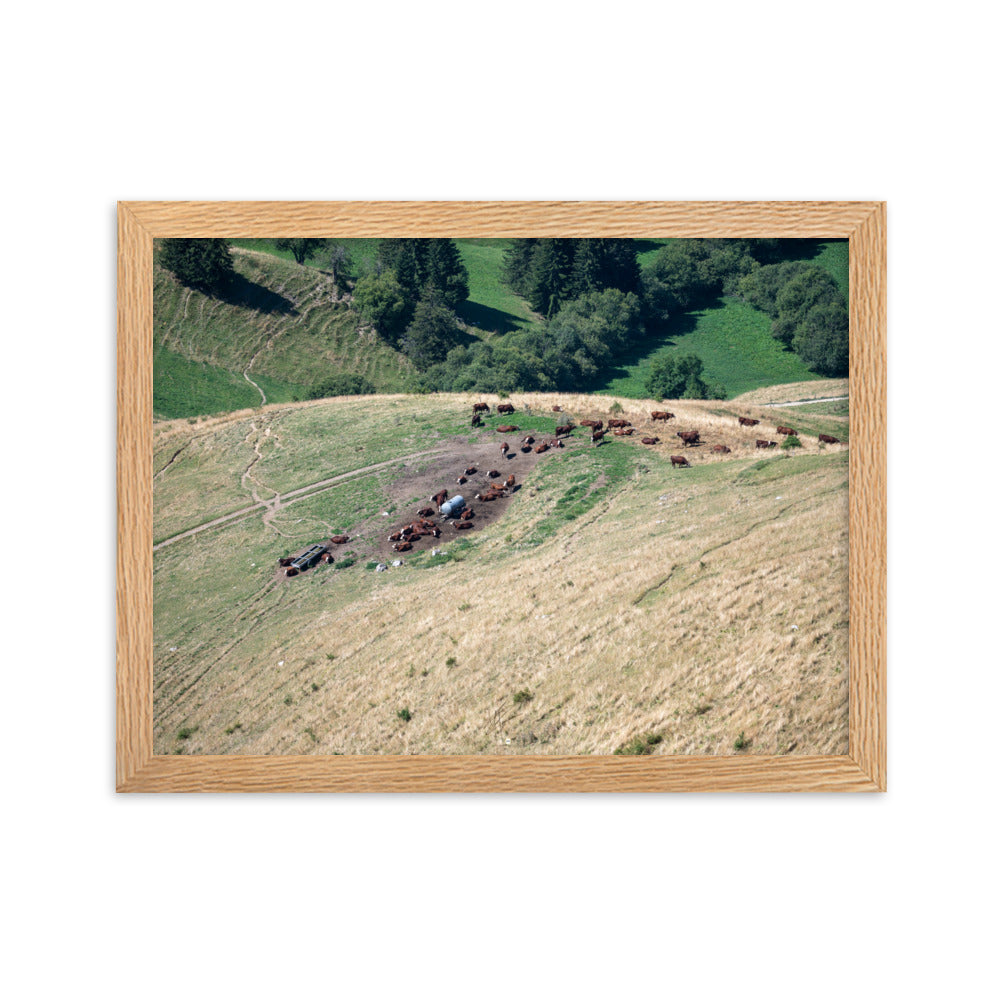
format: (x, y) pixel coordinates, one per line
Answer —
(862, 768)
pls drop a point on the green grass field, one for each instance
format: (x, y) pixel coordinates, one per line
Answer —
(734, 341)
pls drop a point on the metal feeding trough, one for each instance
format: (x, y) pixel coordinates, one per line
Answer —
(452, 507)
(310, 557)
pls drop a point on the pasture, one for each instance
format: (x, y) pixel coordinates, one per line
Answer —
(612, 602)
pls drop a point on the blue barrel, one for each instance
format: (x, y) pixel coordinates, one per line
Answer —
(451, 507)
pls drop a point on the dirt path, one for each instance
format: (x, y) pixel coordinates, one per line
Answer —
(803, 402)
(281, 500)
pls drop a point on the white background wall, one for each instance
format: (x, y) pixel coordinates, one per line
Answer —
(482, 896)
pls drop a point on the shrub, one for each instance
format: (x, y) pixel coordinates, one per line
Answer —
(288, 699)
(522, 696)
(344, 563)
(187, 732)
(639, 745)
(451, 662)
(405, 714)
(741, 742)
(791, 441)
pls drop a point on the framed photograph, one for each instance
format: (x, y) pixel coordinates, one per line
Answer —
(501, 496)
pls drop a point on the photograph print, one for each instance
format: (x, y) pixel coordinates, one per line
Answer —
(519, 496)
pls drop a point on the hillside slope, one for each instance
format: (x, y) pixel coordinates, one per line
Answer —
(616, 597)
(281, 321)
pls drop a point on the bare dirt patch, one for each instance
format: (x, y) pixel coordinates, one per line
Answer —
(421, 478)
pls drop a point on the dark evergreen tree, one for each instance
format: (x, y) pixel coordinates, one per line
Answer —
(203, 264)
(551, 275)
(517, 265)
(432, 333)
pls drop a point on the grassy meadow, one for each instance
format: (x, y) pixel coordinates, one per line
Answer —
(618, 604)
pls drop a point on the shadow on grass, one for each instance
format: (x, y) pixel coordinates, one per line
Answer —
(488, 318)
(248, 294)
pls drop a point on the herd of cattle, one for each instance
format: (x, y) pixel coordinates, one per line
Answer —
(455, 511)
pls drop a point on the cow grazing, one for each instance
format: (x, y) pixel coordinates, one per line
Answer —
(689, 437)
(338, 539)
(653, 440)
(594, 425)
(661, 415)
(785, 430)
(826, 439)
(721, 449)
(477, 420)
(564, 429)
(597, 436)
(761, 443)
(748, 422)
(676, 460)
(480, 407)
(507, 429)
(505, 408)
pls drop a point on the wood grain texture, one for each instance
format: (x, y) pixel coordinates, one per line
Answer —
(867, 463)
(863, 768)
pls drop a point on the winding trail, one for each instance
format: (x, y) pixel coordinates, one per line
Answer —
(804, 402)
(281, 500)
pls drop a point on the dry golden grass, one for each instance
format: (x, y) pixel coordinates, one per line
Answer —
(794, 391)
(696, 604)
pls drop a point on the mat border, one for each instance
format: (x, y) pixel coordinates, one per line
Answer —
(863, 768)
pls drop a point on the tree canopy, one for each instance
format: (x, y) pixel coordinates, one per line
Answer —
(302, 249)
(203, 264)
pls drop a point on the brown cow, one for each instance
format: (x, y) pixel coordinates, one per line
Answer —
(507, 429)
(676, 460)
(402, 547)
(597, 436)
(765, 444)
(564, 429)
(504, 448)
(527, 439)
(721, 448)
(462, 525)
(493, 473)
(509, 482)
(595, 425)
(477, 420)
(748, 422)
(468, 514)
(339, 539)
(462, 480)
(661, 415)
(471, 470)
(425, 512)
(653, 440)
(291, 571)
(486, 497)
(785, 430)
(540, 448)
(285, 561)
(505, 408)
(439, 498)
(557, 443)
(619, 422)
(557, 408)
(689, 437)
(826, 439)
(480, 407)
